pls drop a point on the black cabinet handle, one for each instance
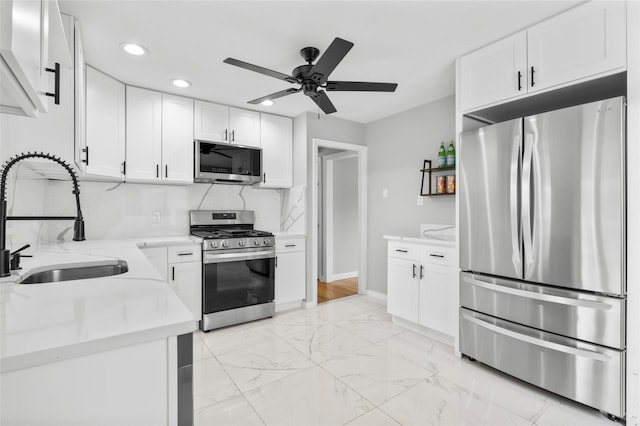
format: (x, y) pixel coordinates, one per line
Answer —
(421, 272)
(414, 270)
(519, 81)
(401, 251)
(173, 273)
(86, 159)
(56, 93)
(226, 135)
(264, 178)
(233, 136)
(276, 261)
(185, 254)
(532, 79)
(166, 171)
(157, 170)
(289, 245)
(124, 167)
(436, 255)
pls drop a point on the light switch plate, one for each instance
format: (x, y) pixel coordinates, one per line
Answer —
(385, 193)
(155, 217)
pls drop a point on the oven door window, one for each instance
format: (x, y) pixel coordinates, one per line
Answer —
(231, 285)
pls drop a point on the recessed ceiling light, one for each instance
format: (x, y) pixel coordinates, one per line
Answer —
(178, 82)
(134, 49)
(267, 102)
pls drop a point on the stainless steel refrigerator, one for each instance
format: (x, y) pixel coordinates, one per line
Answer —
(542, 250)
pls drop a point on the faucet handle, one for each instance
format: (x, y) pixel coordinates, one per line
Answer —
(24, 247)
(14, 262)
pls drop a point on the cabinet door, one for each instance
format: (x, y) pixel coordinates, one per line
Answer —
(402, 288)
(585, 41)
(177, 139)
(24, 49)
(105, 126)
(211, 122)
(438, 302)
(276, 140)
(290, 277)
(144, 134)
(186, 281)
(157, 256)
(494, 73)
(245, 127)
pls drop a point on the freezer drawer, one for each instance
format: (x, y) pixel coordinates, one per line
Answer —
(590, 374)
(583, 316)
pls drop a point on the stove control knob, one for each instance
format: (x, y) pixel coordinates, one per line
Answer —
(256, 242)
(241, 243)
(214, 244)
(266, 241)
(225, 244)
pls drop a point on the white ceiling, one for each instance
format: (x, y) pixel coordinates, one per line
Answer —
(412, 43)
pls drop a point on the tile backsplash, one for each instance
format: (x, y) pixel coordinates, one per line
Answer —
(125, 210)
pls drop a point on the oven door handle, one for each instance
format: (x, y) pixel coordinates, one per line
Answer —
(237, 257)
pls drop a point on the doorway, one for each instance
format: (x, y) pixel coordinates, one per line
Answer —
(338, 246)
(337, 226)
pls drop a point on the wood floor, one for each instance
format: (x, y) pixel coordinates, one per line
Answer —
(337, 289)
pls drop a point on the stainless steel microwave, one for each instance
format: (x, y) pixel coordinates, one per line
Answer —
(227, 163)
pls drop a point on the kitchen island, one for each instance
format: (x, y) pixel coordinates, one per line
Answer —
(91, 351)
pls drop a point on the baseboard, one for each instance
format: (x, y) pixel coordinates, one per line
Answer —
(343, 276)
(425, 331)
(307, 305)
(376, 295)
(286, 306)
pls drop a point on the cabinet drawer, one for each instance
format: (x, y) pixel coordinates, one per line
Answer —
(290, 245)
(403, 251)
(439, 257)
(184, 254)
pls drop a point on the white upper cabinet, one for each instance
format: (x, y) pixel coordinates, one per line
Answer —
(588, 41)
(244, 126)
(104, 150)
(497, 72)
(28, 30)
(220, 123)
(276, 139)
(159, 137)
(585, 41)
(144, 134)
(211, 122)
(177, 139)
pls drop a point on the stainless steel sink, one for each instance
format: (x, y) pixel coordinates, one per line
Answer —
(76, 271)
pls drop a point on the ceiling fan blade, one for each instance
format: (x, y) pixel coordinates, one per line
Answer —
(261, 70)
(323, 101)
(274, 96)
(360, 86)
(330, 60)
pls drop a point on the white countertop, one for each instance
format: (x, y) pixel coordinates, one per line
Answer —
(43, 323)
(433, 234)
(287, 234)
(166, 241)
(421, 240)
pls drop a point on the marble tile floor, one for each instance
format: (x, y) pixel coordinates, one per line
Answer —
(345, 363)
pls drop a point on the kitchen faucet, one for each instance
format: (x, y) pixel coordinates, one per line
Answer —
(78, 226)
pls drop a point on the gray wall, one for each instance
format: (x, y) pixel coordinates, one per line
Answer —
(397, 147)
(334, 129)
(345, 215)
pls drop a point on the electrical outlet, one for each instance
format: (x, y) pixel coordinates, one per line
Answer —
(420, 200)
(385, 193)
(155, 217)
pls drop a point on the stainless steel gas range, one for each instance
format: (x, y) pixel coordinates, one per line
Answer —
(238, 267)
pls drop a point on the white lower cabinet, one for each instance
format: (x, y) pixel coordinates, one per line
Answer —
(290, 272)
(181, 267)
(422, 285)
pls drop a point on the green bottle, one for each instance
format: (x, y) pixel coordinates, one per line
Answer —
(442, 156)
(451, 155)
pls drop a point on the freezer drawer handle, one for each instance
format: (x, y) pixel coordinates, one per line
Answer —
(538, 342)
(539, 296)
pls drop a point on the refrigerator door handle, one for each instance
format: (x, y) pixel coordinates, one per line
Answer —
(527, 164)
(538, 342)
(592, 304)
(516, 245)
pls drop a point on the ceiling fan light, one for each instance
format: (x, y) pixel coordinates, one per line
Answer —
(267, 102)
(134, 49)
(178, 82)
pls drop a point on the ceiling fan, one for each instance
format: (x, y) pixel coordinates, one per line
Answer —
(313, 77)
